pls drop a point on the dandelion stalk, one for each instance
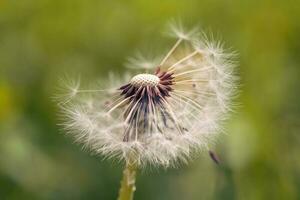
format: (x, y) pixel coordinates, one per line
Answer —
(127, 188)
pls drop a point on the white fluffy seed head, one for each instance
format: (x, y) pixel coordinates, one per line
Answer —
(189, 97)
(145, 80)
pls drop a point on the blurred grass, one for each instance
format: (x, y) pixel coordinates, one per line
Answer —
(42, 40)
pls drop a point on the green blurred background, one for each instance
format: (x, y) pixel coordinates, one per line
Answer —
(40, 40)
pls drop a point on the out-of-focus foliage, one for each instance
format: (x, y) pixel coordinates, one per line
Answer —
(42, 40)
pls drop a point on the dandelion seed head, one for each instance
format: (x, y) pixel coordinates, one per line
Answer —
(161, 117)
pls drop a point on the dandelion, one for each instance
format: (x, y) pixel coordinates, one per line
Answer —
(159, 118)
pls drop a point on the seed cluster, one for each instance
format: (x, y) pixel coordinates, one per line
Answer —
(160, 118)
(146, 94)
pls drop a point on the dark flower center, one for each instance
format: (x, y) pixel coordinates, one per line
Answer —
(146, 94)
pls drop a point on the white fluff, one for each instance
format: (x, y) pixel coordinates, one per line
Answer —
(204, 85)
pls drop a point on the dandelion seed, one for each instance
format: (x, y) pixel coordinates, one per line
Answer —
(159, 118)
(214, 157)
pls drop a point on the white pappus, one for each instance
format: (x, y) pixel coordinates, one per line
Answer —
(159, 118)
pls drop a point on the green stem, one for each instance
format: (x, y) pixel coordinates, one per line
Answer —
(128, 182)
